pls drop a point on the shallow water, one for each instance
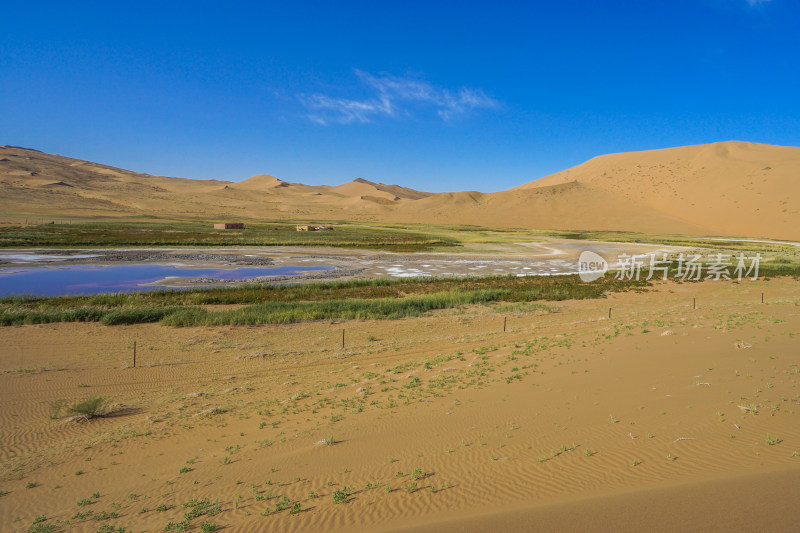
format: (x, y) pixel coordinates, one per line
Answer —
(93, 279)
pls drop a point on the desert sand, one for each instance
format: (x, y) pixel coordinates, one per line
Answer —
(662, 418)
(727, 189)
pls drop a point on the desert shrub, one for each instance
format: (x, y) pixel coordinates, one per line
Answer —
(89, 408)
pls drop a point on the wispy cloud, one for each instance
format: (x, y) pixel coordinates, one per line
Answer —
(754, 3)
(394, 96)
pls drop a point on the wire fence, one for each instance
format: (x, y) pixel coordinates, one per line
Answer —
(34, 356)
(129, 352)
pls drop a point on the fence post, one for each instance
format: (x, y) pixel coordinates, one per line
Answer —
(134, 354)
(694, 303)
(505, 319)
(342, 338)
(609, 313)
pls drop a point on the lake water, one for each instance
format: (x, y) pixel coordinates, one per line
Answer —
(93, 279)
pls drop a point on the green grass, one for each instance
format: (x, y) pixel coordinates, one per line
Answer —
(264, 304)
(674, 240)
(201, 233)
(383, 236)
(284, 312)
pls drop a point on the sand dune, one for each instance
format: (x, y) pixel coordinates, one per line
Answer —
(727, 189)
(260, 182)
(734, 187)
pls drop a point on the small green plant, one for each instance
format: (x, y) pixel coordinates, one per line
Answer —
(341, 496)
(31, 485)
(587, 452)
(312, 495)
(200, 507)
(416, 474)
(84, 501)
(772, 441)
(208, 527)
(183, 525)
(296, 508)
(185, 469)
(89, 408)
(636, 462)
(412, 487)
(40, 527)
(108, 528)
(105, 515)
(282, 504)
(55, 408)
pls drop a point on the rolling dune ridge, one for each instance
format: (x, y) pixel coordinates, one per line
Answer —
(727, 189)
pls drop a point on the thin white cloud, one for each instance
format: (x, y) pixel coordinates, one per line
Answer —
(394, 96)
(754, 3)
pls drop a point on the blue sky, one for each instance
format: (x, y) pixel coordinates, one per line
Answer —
(435, 96)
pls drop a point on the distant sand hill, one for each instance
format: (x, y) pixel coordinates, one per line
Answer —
(730, 188)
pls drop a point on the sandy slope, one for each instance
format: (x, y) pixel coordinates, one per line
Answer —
(736, 187)
(730, 188)
(743, 503)
(568, 420)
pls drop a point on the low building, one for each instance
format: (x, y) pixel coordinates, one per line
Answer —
(229, 225)
(314, 228)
